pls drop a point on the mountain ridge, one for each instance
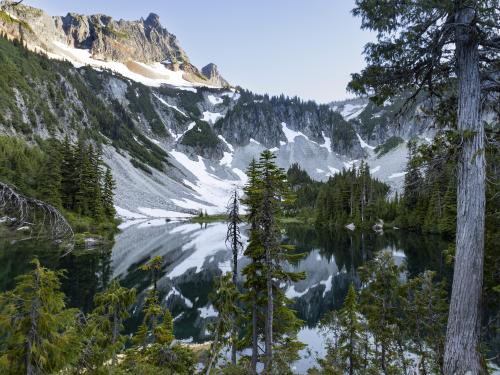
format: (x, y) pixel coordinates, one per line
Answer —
(142, 41)
(179, 146)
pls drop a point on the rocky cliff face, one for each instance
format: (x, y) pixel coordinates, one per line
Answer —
(276, 121)
(212, 73)
(145, 40)
(376, 124)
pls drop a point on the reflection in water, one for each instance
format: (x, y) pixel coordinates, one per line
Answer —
(194, 254)
(88, 271)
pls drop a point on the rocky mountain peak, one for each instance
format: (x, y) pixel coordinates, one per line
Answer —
(107, 39)
(214, 77)
(153, 20)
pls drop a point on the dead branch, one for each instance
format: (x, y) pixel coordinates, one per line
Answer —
(24, 209)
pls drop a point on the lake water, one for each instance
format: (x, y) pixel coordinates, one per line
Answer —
(194, 254)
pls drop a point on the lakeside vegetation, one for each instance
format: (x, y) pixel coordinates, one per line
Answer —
(72, 178)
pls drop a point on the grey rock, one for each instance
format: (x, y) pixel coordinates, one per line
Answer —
(212, 73)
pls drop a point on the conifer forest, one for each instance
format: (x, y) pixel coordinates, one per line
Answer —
(157, 217)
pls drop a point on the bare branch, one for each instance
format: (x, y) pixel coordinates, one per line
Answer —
(25, 208)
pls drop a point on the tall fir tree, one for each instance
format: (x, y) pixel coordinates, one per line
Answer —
(233, 238)
(112, 308)
(68, 175)
(380, 299)
(51, 179)
(267, 195)
(254, 270)
(108, 194)
(96, 202)
(224, 299)
(37, 330)
(348, 349)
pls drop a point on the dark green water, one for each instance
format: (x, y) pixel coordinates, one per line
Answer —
(195, 254)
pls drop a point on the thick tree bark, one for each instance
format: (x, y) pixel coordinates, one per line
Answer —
(462, 337)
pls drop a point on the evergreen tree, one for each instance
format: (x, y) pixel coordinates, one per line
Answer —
(233, 237)
(224, 299)
(51, 178)
(154, 267)
(111, 310)
(108, 194)
(447, 222)
(157, 325)
(413, 179)
(267, 195)
(254, 270)
(444, 49)
(157, 352)
(68, 175)
(425, 321)
(37, 330)
(348, 349)
(85, 181)
(96, 202)
(380, 299)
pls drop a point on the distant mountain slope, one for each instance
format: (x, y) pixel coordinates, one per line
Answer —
(174, 144)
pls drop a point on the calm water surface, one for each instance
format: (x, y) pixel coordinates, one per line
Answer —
(194, 254)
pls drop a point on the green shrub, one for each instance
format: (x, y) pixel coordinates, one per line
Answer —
(388, 145)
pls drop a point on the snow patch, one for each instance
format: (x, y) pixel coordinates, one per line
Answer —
(350, 111)
(208, 187)
(396, 175)
(291, 134)
(207, 311)
(254, 141)
(170, 105)
(175, 292)
(214, 99)
(211, 117)
(328, 285)
(333, 171)
(126, 214)
(328, 142)
(363, 143)
(292, 293)
(160, 213)
(154, 74)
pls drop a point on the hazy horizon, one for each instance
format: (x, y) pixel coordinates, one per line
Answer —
(308, 49)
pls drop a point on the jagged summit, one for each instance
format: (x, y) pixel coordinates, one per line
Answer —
(212, 73)
(153, 19)
(129, 42)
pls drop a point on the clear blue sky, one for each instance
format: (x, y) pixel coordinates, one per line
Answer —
(296, 47)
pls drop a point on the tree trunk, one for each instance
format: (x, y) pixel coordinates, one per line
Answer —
(213, 353)
(114, 337)
(235, 281)
(464, 320)
(33, 332)
(255, 337)
(269, 314)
